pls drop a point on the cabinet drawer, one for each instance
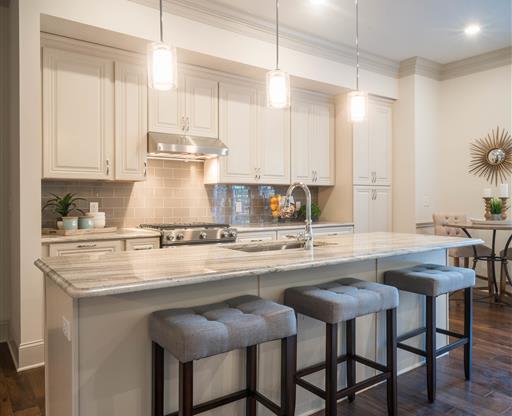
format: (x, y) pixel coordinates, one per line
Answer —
(85, 247)
(143, 244)
(256, 237)
(290, 233)
(332, 231)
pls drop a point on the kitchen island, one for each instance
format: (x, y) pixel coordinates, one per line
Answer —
(98, 350)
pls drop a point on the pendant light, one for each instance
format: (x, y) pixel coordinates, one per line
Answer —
(162, 63)
(358, 100)
(278, 82)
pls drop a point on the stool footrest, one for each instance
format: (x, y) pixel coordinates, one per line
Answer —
(348, 391)
(414, 350)
(269, 404)
(221, 401)
(411, 334)
(317, 367)
(369, 363)
(452, 346)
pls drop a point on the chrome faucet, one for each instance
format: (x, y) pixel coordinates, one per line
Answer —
(308, 231)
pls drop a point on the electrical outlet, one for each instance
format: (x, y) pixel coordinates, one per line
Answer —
(66, 328)
(93, 206)
(238, 207)
(426, 201)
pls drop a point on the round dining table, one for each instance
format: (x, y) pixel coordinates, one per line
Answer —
(494, 257)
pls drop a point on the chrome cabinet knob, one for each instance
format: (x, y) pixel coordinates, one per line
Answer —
(203, 235)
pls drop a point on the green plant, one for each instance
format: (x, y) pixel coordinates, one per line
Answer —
(315, 211)
(496, 206)
(62, 206)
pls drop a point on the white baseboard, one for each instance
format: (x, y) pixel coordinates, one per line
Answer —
(27, 355)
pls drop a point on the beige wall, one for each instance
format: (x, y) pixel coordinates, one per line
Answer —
(4, 168)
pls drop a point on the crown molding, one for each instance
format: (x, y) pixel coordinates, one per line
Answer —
(223, 17)
(467, 66)
(478, 63)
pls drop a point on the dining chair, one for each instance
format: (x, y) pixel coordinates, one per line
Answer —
(462, 254)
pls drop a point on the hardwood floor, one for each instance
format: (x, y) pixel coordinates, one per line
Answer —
(488, 394)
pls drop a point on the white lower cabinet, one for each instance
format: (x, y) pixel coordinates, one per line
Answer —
(276, 233)
(85, 247)
(372, 209)
(140, 244)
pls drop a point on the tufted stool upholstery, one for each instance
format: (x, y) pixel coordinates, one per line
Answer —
(344, 300)
(431, 279)
(341, 300)
(198, 332)
(202, 331)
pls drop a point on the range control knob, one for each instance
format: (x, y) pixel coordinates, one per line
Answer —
(169, 237)
(180, 236)
(232, 233)
(224, 234)
(202, 235)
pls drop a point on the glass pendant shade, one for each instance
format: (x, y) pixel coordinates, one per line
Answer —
(357, 106)
(162, 66)
(278, 89)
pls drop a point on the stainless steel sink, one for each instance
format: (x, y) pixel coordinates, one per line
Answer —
(274, 246)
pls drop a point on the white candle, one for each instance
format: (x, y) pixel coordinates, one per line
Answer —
(504, 190)
(487, 192)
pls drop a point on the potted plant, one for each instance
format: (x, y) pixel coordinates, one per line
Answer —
(315, 212)
(496, 209)
(63, 206)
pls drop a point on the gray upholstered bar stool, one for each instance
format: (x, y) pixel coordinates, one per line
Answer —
(194, 333)
(433, 280)
(344, 300)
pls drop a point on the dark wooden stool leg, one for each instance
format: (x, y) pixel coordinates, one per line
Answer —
(468, 330)
(158, 380)
(186, 382)
(391, 361)
(331, 371)
(251, 377)
(431, 348)
(288, 370)
(351, 351)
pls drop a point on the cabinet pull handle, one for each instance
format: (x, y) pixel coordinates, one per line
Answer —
(145, 168)
(188, 124)
(183, 123)
(107, 163)
(86, 245)
(146, 247)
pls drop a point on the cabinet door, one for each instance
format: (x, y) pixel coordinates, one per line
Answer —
(139, 244)
(361, 154)
(300, 164)
(362, 209)
(165, 110)
(238, 113)
(379, 127)
(131, 121)
(78, 115)
(380, 215)
(201, 97)
(86, 247)
(321, 143)
(273, 144)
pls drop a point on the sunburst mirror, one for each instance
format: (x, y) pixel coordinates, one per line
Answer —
(491, 156)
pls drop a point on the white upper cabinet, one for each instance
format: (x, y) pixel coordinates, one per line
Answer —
(193, 108)
(372, 145)
(312, 142)
(78, 115)
(258, 138)
(273, 144)
(131, 121)
(94, 111)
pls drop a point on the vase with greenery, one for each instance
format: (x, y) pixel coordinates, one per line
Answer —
(315, 212)
(64, 205)
(496, 208)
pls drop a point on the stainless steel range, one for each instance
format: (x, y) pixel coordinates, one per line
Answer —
(193, 233)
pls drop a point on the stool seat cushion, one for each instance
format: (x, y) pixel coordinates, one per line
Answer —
(430, 279)
(341, 300)
(202, 331)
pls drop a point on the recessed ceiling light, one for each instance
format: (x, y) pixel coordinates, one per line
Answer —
(472, 30)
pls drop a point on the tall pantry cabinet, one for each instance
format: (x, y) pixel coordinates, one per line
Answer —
(372, 148)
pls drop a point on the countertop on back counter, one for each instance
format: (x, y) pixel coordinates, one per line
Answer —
(271, 226)
(120, 234)
(132, 271)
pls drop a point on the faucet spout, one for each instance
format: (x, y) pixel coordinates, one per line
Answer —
(308, 231)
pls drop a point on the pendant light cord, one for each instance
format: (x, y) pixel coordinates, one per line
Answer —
(277, 34)
(357, 45)
(162, 23)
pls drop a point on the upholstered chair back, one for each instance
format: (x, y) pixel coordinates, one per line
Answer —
(440, 221)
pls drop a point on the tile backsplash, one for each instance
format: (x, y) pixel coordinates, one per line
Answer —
(173, 192)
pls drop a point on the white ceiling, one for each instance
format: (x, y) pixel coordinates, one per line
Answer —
(395, 29)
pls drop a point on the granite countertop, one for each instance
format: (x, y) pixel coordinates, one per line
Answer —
(120, 234)
(132, 271)
(268, 226)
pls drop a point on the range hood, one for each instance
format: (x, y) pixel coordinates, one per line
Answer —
(175, 146)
